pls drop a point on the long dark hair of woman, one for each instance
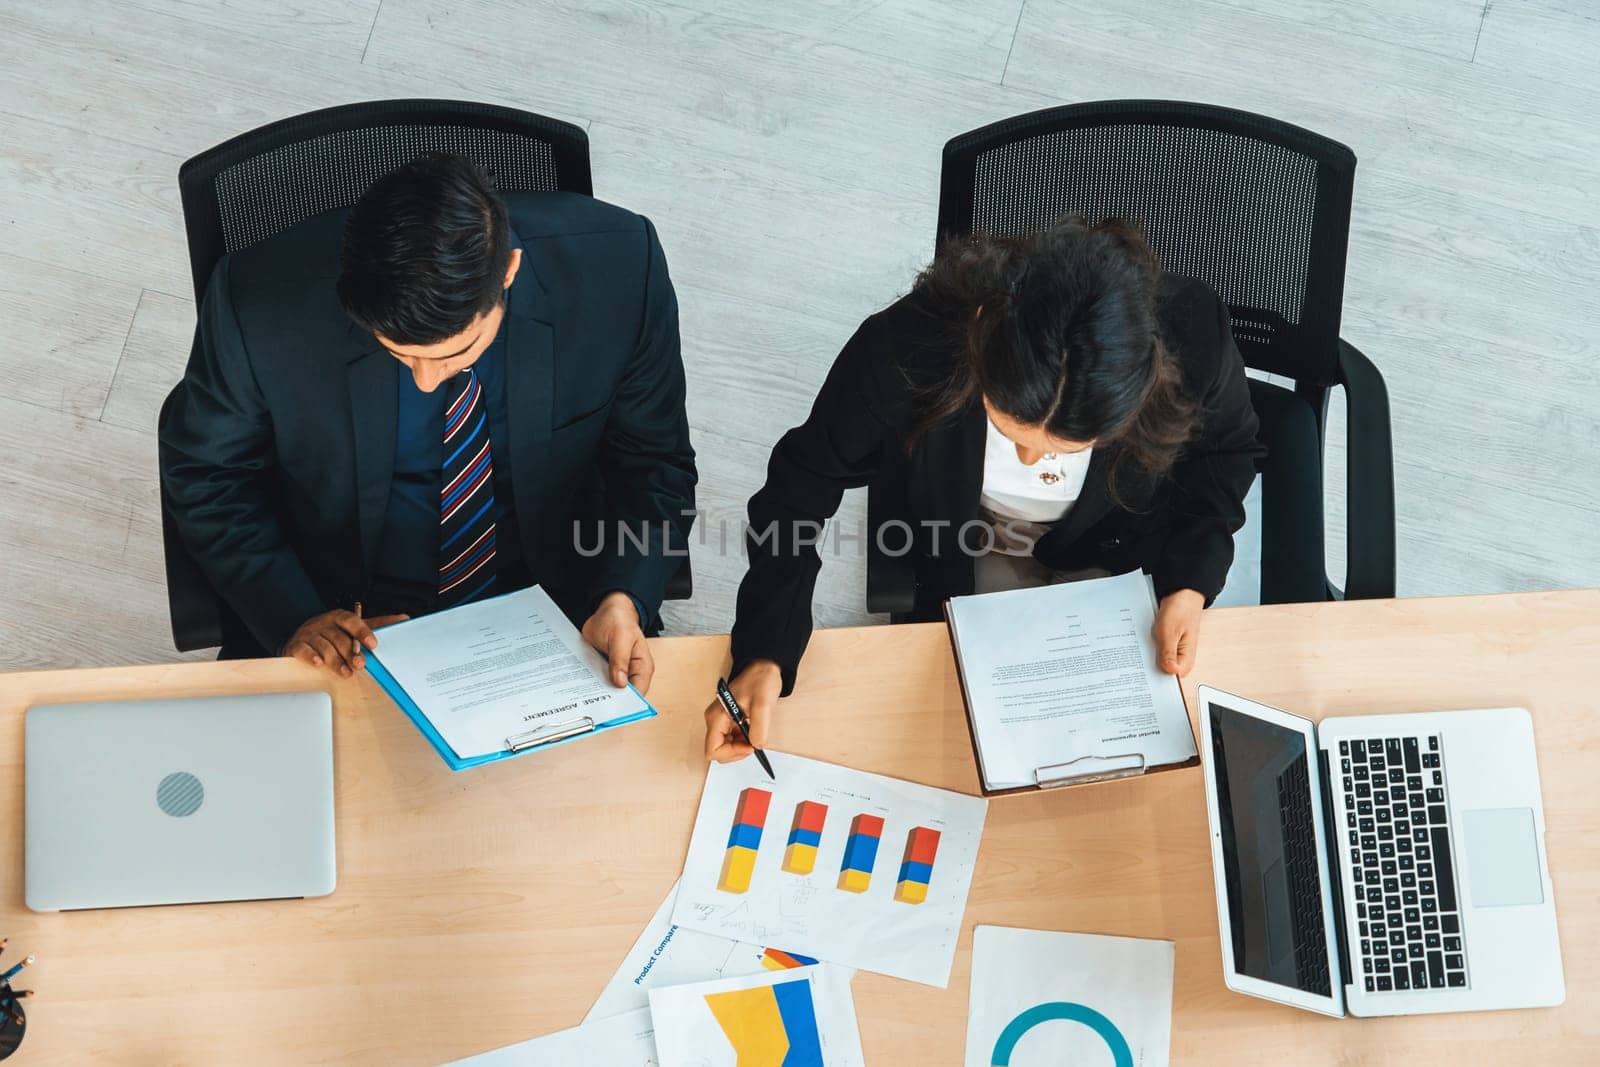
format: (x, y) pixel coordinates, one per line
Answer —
(1067, 338)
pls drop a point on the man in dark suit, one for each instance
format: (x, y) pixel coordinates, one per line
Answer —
(438, 395)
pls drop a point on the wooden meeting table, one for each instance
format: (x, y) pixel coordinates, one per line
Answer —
(482, 908)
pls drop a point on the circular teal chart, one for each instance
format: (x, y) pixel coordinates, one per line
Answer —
(1121, 1054)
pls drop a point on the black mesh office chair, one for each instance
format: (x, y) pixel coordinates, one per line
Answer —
(261, 183)
(1260, 210)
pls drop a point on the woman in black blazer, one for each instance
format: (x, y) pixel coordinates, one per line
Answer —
(1060, 377)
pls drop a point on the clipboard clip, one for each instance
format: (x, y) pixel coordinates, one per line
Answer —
(1086, 769)
(549, 735)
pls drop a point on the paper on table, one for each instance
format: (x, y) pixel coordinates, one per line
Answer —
(620, 1041)
(1065, 671)
(499, 668)
(666, 955)
(851, 868)
(1042, 998)
(800, 1018)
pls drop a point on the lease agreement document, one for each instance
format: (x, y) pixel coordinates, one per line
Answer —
(496, 670)
(1061, 682)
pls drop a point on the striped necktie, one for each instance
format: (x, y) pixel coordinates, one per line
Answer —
(466, 503)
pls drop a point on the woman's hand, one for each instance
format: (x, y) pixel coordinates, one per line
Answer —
(756, 689)
(1177, 630)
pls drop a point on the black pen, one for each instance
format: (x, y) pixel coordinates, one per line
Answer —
(736, 713)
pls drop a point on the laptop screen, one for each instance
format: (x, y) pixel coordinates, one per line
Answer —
(1265, 793)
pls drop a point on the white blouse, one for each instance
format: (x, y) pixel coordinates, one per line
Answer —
(1028, 497)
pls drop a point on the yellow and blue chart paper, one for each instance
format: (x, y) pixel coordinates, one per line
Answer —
(771, 1027)
(800, 1017)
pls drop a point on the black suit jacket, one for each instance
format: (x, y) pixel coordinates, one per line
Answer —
(1179, 527)
(279, 449)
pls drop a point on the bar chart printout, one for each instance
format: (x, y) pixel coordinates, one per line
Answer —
(855, 869)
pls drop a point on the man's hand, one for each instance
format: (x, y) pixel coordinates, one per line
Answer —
(614, 630)
(1177, 630)
(756, 689)
(335, 639)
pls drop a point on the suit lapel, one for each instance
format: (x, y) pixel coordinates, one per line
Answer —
(949, 468)
(946, 480)
(530, 391)
(373, 403)
(965, 469)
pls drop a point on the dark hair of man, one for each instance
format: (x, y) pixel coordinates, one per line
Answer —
(1067, 339)
(425, 251)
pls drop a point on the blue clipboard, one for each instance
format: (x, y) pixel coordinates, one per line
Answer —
(546, 737)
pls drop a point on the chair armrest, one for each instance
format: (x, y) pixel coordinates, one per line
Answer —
(681, 585)
(891, 580)
(1369, 479)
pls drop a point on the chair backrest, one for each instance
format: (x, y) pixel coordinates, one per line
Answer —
(260, 183)
(1257, 208)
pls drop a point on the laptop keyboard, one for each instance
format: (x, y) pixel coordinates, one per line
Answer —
(1407, 913)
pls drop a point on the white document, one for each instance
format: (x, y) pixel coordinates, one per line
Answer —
(503, 668)
(621, 1041)
(1041, 999)
(851, 868)
(798, 1018)
(1062, 682)
(670, 955)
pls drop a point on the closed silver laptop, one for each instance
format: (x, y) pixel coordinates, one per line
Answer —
(179, 801)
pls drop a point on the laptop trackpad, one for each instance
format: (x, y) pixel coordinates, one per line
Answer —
(1502, 858)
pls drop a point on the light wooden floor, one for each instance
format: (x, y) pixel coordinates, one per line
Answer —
(789, 156)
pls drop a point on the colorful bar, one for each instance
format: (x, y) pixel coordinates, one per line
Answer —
(739, 862)
(805, 834)
(860, 852)
(752, 808)
(777, 960)
(916, 866)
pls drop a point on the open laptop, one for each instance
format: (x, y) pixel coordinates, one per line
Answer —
(1380, 864)
(179, 801)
